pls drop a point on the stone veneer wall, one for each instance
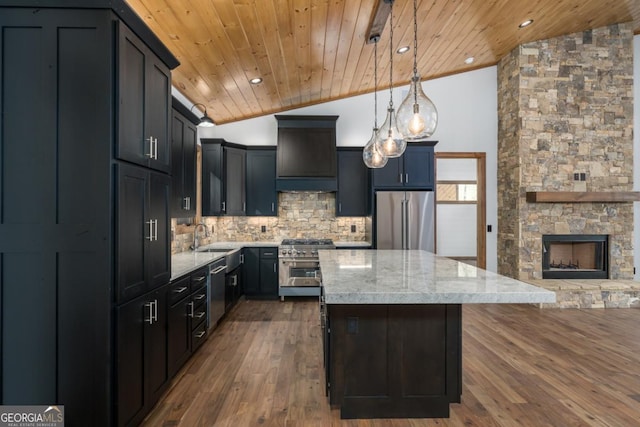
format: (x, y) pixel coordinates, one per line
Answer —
(300, 215)
(565, 107)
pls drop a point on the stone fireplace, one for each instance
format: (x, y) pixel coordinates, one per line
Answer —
(565, 108)
(575, 256)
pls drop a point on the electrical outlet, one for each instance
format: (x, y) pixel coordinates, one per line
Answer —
(353, 228)
(583, 176)
(576, 176)
(263, 228)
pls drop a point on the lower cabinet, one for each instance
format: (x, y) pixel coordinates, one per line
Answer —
(261, 272)
(141, 355)
(187, 318)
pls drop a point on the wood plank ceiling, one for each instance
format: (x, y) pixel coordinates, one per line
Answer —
(313, 51)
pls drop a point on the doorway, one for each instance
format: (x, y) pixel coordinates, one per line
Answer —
(461, 207)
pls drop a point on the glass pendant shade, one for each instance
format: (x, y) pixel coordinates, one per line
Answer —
(370, 154)
(417, 116)
(390, 142)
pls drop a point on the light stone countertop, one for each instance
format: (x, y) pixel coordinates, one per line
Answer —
(186, 262)
(416, 277)
(356, 244)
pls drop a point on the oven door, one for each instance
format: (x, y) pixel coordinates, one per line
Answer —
(296, 272)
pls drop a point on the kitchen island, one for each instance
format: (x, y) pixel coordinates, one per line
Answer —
(392, 328)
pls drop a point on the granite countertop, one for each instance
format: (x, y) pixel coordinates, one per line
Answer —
(186, 262)
(355, 244)
(416, 277)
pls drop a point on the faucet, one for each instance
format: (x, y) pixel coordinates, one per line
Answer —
(196, 243)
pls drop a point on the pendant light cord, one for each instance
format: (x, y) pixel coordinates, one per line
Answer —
(375, 84)
(415, 48)
(391, 54)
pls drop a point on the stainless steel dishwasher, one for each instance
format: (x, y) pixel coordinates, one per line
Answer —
(217, 272)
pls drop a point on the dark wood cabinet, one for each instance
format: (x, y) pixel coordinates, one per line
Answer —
(352, 197)
(223, 178)
(178, 325)
(143, 256)
(184, 136)
(144, 91)
(141, 355)
(234, 181)
(60, 206)
(414, 170)
(261, 272)
(262, 197)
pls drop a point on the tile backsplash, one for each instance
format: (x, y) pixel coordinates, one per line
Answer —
(300, 215)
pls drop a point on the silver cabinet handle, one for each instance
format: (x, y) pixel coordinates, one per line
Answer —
(200, 279)
(235, 281)
(155, 310)
(273, 207)
(268, 254)
(200, 334)
(155, 229)
(406, 178)
(218, 270)
(200, 315)
(190, 309)
(186, 203)
(150, 153)
(224, 206)
(274, 267)
(244, 206)
(241, 258)
(199, 297)
(150, 224)
(149, 305)
(180, 290)
(155, 154)
(400, 178)
(340, 207)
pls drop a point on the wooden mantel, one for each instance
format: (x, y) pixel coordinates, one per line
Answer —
(582, 196)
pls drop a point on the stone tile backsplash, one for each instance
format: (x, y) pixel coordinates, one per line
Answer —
(300, 215)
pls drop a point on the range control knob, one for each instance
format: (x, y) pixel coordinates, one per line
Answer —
(304, 252)
(284, 252)
(290, 251)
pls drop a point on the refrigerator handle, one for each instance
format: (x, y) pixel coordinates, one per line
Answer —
(405, 219)
(403, 210)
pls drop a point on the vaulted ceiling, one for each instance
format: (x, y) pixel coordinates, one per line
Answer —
(312, 51)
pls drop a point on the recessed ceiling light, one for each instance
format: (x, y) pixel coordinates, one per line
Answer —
(256, 80)
(469, 60)
(526, 23)
(403, 49)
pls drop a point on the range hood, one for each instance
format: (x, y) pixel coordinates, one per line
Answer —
(306, 153)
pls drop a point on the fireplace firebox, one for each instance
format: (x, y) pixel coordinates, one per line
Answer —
(575, 256)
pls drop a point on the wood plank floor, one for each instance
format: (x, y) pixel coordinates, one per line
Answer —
(522, 366)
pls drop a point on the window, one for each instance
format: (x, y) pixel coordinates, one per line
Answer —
(457, 192)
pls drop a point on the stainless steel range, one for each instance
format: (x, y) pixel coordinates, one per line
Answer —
(299, 272)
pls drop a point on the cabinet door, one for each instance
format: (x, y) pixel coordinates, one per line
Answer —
(178, 205)
(390, 175)
(235, 159)
(133, 145)
(251, 271)
(155, 360)
(158, 112)
(212, 180)
(269, 277)
(353, 184)
(262, 198)
(131, 318)
(178, 335)
(189, 152)
(418, 167)
(132, 231)
(159, 246)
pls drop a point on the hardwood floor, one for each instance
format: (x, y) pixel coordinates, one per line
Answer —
(522, 366)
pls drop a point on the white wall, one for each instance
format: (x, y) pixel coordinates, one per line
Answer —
(636, 151)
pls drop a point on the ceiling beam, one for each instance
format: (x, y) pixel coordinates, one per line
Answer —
(378, 20)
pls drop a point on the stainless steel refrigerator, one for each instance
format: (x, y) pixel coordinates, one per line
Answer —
(405, 220)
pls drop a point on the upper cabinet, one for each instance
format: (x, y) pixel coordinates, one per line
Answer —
(184, 136)
(223, 178)
(144, 99)
(414, 170)
(262, 198)
(353, 183)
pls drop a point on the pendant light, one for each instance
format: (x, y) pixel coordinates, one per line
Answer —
(205, 121)
(417, 116)
(370, 154)
(390, 142)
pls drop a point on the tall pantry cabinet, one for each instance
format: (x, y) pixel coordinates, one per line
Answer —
(84, 178)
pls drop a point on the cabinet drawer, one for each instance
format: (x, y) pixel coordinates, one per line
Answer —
(199, 297)
(179, 289)
(198, 336)
(268, 253)
(199, 316)
(199, 279)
